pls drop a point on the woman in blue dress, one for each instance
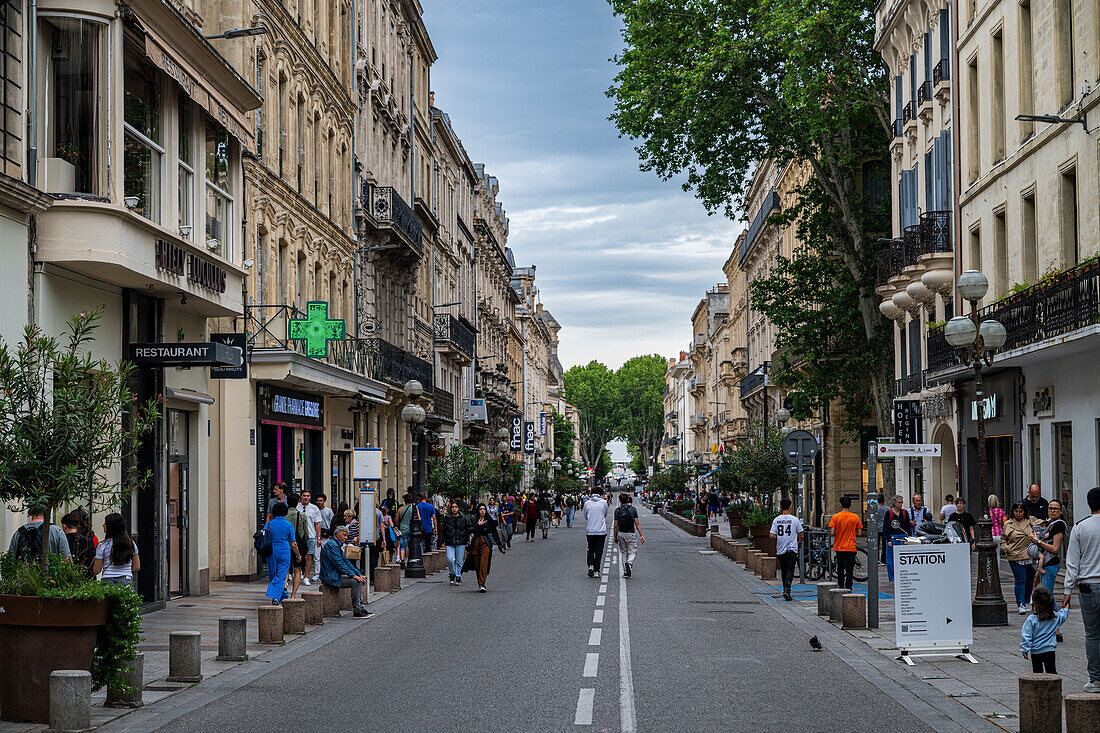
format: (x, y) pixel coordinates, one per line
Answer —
(281, 533)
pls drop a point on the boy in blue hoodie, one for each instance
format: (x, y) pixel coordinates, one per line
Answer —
(1037, 637)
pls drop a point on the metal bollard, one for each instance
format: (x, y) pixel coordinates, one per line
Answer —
(232, 639)
(70, 700)
(184, 656)
(1041, 703)
(135, 680)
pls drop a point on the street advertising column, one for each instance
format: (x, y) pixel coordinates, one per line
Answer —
(932, 597)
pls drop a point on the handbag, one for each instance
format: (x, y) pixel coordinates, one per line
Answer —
(261, 540)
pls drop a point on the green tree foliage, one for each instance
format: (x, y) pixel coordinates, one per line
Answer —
(711, 87)
(456, 474)
(565, 437)
(636, 464)
(66, 421)
(641, 417)
(593, 389)
(604, 466)
(673, 479)
(760, 465)
(500, 475)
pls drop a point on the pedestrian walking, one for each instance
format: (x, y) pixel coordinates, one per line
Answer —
(966, 519)
(1038, 637)
(1015, 539)
(712, 505)
(1050, 545)
(896, 533)
(570, 509)
(81, 546)
(117, 555)
(312, 515)
(483, 534)
(530, 517)
(26, 542)
(301, 536)
(507, 519)
(428, 522)
(543, 504)
(389, 536)
(997, 516)
(390, 503)
(1034, 503)
(1083, 573)
(454, 532)
(595, 529)
(627, 533)
(326, 515)
(559, 507)
(338, 572)
(918, 512)
(280, 533)
(351, 521)
(948, 508)
(278, 496)
(844, 526)
(787, 532)
(880, 517)
(405, 518)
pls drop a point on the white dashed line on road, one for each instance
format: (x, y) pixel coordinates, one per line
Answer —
(597, 616)
(627, 713)
(603, 588)
(584, 706)
(600, 600)
(594, 637)
(591, 661)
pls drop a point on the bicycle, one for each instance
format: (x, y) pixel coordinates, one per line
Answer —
(821, 560)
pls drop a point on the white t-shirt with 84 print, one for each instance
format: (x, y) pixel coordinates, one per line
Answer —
(786, 527)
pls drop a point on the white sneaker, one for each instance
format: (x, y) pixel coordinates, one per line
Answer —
(306, 581)
(1092, 687)
(1021, 610)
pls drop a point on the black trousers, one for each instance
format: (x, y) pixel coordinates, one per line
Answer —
(1043, 662)
(845, 565)
(595, 549)
(788, 561)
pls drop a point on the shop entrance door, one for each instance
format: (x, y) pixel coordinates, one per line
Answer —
(341, 474)
(178, 510)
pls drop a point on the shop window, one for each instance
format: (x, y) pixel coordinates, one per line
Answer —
(143, 152)
(11, 86)
(219, 200)
(1035, 453)
(1063, 468)
(74, 104)
(186, 175)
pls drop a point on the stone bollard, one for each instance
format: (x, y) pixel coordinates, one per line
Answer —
(823, 597)
(1082, 712)
(853, 611)
(387, 579)
(714, 529)
(1041, 704)
(740, 552)
(184, 656)
(232, 639)
(294, 616)
(767, 568)
(314, 607)
(750, 560)
(715, 541)
(135, 680)
(759, 564)
(270, 621)
(70, 700)
(836, 603)
(345, 599)
(330, 602)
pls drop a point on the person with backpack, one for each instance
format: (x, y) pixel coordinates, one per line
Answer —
(404, 527)
(280, 542)
(117, 555)
(26, 543)
(570, 509)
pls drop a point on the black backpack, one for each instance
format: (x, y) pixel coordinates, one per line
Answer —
(29, 546)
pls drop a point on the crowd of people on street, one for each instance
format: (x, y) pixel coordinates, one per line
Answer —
(113, 559)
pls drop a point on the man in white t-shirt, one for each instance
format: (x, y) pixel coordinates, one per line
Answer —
(312, 513)
(787, 532)
(948, 508)
(595, 529)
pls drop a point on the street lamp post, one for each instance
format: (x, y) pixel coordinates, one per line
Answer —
(979, 340)
(414, 415)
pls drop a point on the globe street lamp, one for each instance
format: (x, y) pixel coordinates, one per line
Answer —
(414, 415)
(978, 340)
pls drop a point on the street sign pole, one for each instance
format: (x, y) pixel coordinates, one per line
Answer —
(872, 539)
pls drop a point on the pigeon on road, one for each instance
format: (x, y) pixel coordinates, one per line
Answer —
(815, 644)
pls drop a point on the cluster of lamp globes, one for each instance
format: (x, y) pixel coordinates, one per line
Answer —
(961, 331)
(413, 413)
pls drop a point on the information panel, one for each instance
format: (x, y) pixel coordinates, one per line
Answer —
(932, 596)
(366, 464)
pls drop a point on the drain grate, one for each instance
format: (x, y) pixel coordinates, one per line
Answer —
(751, 603)
(729, 610)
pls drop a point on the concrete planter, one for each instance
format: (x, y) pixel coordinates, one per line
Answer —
(39, 636)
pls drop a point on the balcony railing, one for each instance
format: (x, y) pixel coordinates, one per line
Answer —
(911, 239)
(1061, 304)
(751, 382)
(399, 366)
(915, 382)
(935, 232)
(885, 269)
(899, 126)
(909, 111)
(449, 329)
(386, 206)
(924, 93)
(266, 328)
(941, 71)
(443, 404)
(770, 205)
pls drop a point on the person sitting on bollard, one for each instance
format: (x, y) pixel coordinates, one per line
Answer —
(334, 568)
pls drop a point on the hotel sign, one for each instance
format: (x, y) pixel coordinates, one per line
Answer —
(177, 261)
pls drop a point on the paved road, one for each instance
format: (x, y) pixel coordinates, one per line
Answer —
(702, 653)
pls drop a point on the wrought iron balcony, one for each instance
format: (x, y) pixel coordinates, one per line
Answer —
(452, 335)
(915, 382)
(941, 355)
(900, 385)
(699, 419)
(885, 269)
(443, 404)
(910, 246)
(771, 204)
(924, 93)
(909, 111)
(899, 125)
(935, 232)
(750, 383)
(941, 71)
(389, 211)
(399, 366)
(266, 327)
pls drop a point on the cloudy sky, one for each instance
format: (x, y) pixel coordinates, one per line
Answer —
(622, 258)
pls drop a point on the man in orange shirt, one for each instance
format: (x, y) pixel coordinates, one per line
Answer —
(844, 526)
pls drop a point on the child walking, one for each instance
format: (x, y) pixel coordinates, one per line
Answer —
(1037, 636)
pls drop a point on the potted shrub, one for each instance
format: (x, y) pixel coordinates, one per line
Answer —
(69, 422)
(759, 521)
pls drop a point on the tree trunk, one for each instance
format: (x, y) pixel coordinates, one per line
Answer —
(46, 537)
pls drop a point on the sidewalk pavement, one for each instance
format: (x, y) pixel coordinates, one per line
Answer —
(989, 688)
(201, 613)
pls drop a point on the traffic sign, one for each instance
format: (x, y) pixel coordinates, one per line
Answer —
(885, 450)
(800, 447)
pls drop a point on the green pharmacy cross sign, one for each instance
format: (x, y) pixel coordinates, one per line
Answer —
(316, 329)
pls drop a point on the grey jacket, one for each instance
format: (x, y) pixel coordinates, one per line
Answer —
(1083, 553)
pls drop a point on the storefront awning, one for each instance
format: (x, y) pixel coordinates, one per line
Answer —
(198, 88)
